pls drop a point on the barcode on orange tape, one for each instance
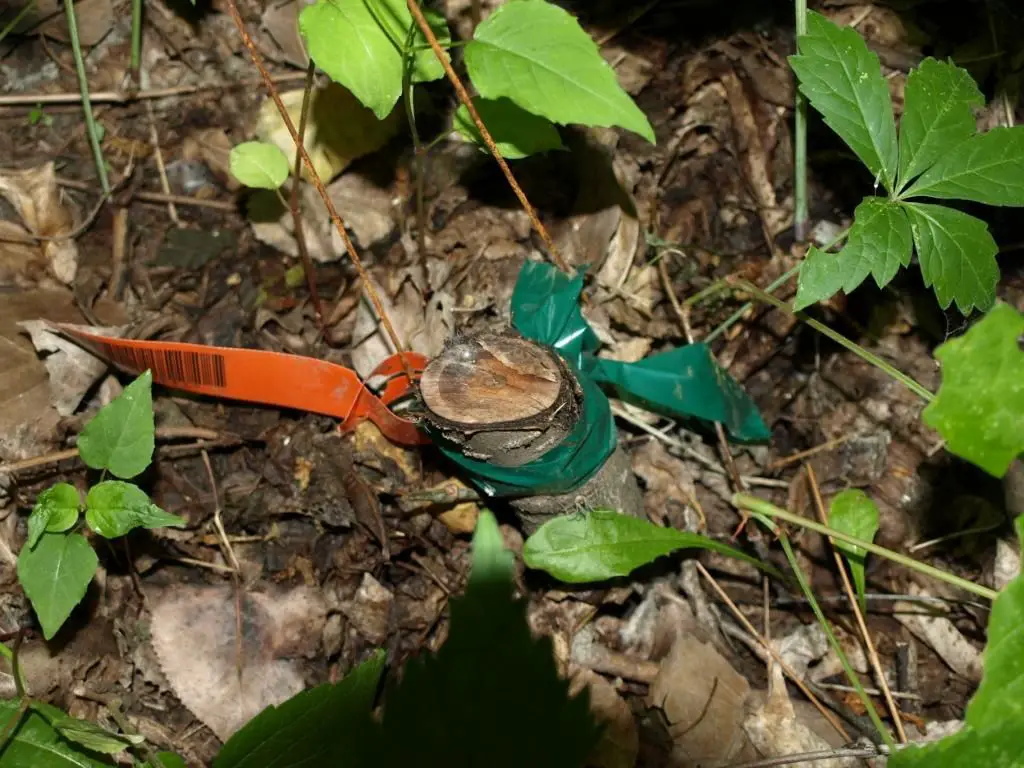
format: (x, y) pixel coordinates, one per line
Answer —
(171, 366)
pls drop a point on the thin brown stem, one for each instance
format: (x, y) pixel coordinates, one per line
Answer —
(293, 199)
(463, 95)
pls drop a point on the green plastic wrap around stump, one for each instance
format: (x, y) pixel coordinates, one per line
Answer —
(681, 383)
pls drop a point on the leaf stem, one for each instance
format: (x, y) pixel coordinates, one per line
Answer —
(83, 87)
(766, 509)
(800, 140)
(136, 60)
(17, 19)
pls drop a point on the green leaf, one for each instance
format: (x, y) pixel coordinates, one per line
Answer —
(493, 678)
(842, 79)
(979, 408)
(854, 513)
(359, 45)
(92, 736)
(957, 255)
(314, 727)
(55, 575)
(537, 55)
(120, 437)
(259, 164)
(992, 735)
(166, 760)
(987, 168)
(36, 744)
(113, 508)
(879, 244)
(56, 511)
(603, 544)
(936, 115)
(517, 133)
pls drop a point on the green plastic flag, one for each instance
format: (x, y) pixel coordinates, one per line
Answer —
(681, 383)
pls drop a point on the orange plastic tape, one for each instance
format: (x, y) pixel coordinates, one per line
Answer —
(268, 378)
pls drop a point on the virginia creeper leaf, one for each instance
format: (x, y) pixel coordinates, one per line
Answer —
(55, 575)
(537, 55)
(259, 164)
(957, 255)
(879, 244)
(842, 79)
(113, 508)
(979, 408)
(987, 168)
(854, 513)
(120, 437)
(36, 744)
(56, 510)
(517, 133)
(603, 544)
(936, 115)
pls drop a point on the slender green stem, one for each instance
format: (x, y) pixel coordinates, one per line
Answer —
(805, 587)
(869, 357)
(17, 19)
(738, 314)
(136, 38)
(800, 141)
(83, 87)
(768, 510)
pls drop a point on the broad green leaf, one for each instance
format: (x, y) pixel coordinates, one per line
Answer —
(987, 168)
(492, 678)
(259, 164)
(854, 513)
(603, 544)
(979, 408)
(936, 115)
(166, 760)
(537, 55)
(55, 575)
(359, 45)
(120, 437)
(113, 508)
(36, 744)
(92, 736)
(842, 79)
(517, 133)
(314, 727)
(879, 244)
(56, 510)
(992, 735)
(957, 255)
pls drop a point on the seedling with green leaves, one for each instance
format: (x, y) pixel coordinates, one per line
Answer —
(57, 562)
(938, 154)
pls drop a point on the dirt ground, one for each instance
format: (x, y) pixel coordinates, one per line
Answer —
(333, 534)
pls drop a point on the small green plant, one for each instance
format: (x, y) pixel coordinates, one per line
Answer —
(57, 562)
(37, 116)
(937, 154)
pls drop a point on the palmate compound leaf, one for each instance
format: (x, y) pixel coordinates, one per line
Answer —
(516, 132)
(37, 744)
(957, 255)
(55, 575)
(879, 244)
(359, 45)
(936, 115)
(987, 168)
(491, 679)
(979, 408)
(843, 80)
(993, 731)
(120, 437)
(854, 513)
(537, 55)
(604, 544)
(259, 164)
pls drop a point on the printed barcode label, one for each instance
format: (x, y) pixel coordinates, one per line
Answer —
(171, 366)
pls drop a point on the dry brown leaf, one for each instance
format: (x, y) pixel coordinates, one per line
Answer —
(462, 518)
(95, 19)
(193, 631)
(45, 212)
(620, 741)
(927, 623)
(212, 147)
(282, 22)
(369, 612)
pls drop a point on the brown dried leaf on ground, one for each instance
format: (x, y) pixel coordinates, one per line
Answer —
(45, 212)
(926, 622)
(620, 741)
(281, 20)
(369, 612)
(193, 632)
(94, 18)
(212, 147)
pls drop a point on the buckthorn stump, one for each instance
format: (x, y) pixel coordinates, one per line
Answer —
(507, 401)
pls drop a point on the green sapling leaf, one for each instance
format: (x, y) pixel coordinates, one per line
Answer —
(537, 55)
(516, 132)
(937, 115)
(843, 80)
(92, 736)
(55, 575)
(34, 743)
(120, 437)
(56, 510)
(979, 408)
(879, 244)
(166, 760)
(113, 508)
(957, 255)
(987, 168)
(259, 164)
(854, 513)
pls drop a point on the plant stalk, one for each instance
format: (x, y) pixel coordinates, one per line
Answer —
(800, 141)
(293, 199)
(83, 87)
